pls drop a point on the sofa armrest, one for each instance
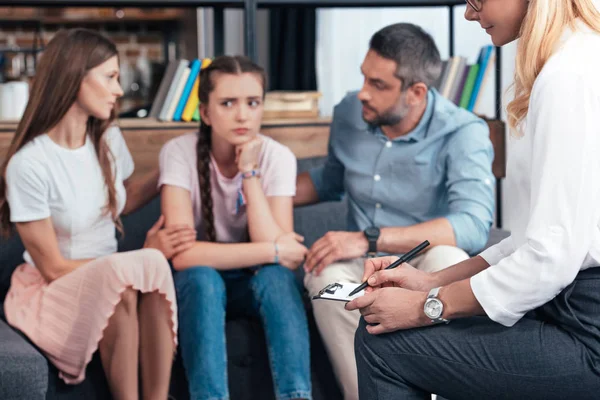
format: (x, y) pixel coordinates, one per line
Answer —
(23, 369)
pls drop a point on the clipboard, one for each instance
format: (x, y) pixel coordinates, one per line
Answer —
(339, 291)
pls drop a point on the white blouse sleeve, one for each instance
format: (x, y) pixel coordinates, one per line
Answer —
(565, 199)
(493, 254)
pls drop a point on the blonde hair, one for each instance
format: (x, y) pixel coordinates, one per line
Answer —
(540, 33)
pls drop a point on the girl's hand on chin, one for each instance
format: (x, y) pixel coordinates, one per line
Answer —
(247, 154)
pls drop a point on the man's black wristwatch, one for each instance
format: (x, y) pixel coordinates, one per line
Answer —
(372, 235)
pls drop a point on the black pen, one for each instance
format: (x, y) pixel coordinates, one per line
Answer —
(405, 258)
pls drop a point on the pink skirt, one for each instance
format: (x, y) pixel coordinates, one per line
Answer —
(66, 318)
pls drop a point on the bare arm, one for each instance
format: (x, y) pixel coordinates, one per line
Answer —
(306, 193)
(268, 218)
(458, 272)
(176, 204)
(140, 190)
(459, 300)
(407, 277)
(41, 243)
(402, 239)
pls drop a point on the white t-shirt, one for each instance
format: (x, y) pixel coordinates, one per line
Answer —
(553, 173)
(179, 167)
(47, 180)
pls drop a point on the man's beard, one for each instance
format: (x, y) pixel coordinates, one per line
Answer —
(388, 118)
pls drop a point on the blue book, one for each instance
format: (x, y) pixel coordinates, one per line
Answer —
(484, 58)
(194, 70)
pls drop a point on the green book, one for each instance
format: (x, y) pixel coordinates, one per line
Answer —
(469, 83)
(196, 116)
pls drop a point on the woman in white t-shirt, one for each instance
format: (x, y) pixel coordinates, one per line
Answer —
(236, 186)
(523, 316)
(64, 183)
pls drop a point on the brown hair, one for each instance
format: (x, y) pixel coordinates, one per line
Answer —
(233, 65)
(62, 67)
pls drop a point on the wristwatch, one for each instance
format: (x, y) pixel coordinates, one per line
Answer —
(434, 308)
(372, 234)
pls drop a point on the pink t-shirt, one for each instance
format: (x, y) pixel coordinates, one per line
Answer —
(178, 167)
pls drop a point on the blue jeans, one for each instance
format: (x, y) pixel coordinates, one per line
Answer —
(203, 296)
(553, 353)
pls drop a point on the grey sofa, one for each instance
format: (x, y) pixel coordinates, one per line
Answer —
(26, 374)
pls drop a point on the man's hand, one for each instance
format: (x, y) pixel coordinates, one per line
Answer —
(391, 309)
(335, 246)
(170, 241)
(403, 276)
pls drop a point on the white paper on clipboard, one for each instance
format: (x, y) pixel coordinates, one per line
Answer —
(339, 291)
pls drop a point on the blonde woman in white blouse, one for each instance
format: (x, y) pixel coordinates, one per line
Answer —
(523, 317)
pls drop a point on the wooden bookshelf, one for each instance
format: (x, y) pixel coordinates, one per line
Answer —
(305, 137)
(145, 137)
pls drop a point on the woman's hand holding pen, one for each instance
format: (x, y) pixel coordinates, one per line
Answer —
(404, 276)
(390, 309)
(291, 251)
(394, 298)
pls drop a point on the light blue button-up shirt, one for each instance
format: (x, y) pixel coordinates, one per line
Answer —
(443, 168)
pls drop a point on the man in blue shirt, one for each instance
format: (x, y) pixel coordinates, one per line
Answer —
(413, 166)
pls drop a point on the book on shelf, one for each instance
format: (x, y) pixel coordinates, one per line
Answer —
(463, 83)
(177, 95)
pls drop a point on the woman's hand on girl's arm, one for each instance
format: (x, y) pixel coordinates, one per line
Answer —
(171, 240)
(40, 241)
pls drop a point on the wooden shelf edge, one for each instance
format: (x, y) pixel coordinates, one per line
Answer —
(153, 123)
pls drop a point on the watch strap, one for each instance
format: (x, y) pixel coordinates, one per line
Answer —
(433, 293)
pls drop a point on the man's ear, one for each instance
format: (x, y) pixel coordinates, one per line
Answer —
(204, 114)
(417, 93)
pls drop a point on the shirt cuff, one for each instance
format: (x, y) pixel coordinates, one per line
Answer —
(469, 235)
(491, 255)
(483, 289)
(494, 254)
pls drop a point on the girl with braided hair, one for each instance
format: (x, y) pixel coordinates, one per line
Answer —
(235, 186)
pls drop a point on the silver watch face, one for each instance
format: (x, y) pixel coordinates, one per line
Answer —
(433, 308)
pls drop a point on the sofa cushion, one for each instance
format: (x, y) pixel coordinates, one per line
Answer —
(23, 371)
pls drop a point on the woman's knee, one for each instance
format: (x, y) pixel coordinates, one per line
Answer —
(156, 258)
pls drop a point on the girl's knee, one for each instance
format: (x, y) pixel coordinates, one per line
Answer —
(277, 281)
(202, 280)
(275, 275)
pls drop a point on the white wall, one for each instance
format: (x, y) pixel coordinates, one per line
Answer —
(343, 36)
(342, 41)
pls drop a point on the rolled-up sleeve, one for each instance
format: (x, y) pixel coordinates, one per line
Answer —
(493, 254)
(564, 193)
(470, 185)
(328, 178)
